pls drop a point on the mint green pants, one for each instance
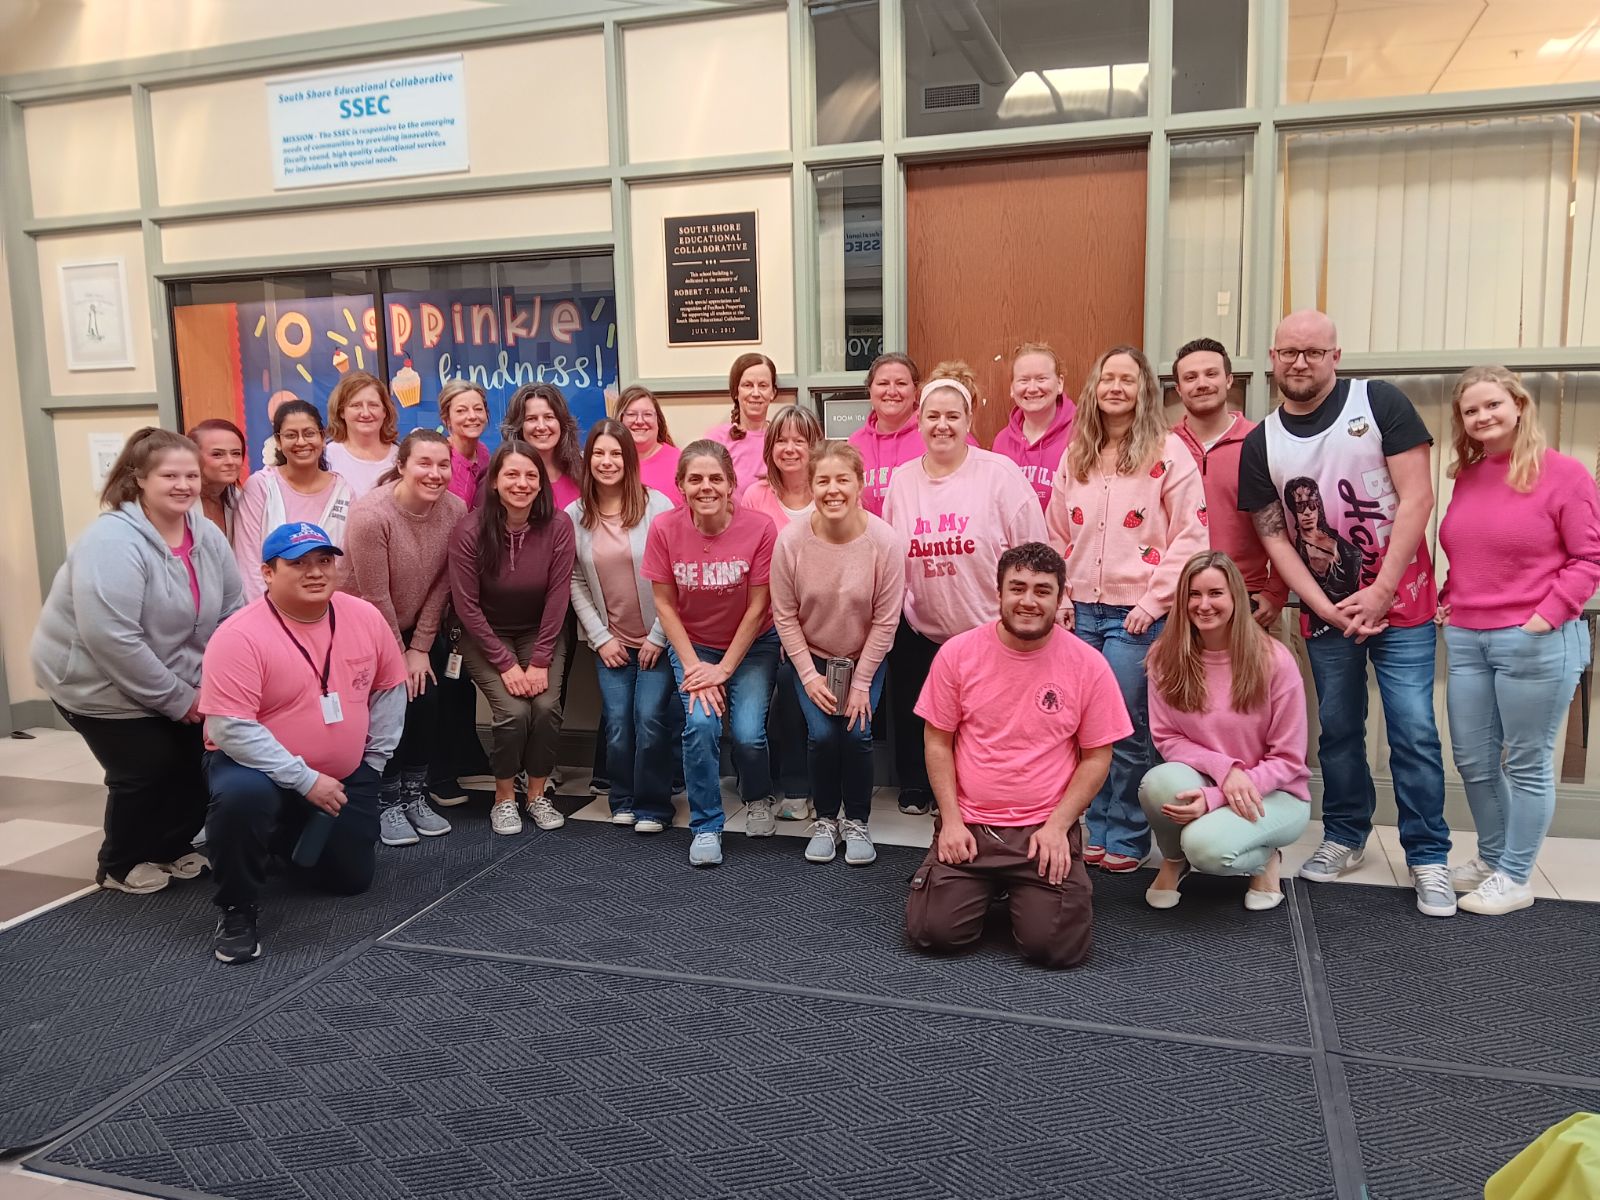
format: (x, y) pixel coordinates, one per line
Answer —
(1221, 842)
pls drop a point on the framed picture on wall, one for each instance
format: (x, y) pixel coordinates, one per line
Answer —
(94, 315)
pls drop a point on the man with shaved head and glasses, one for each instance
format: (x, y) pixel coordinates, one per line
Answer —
(1339, 483)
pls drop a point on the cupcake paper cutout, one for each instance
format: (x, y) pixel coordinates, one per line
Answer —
(407, 386)
(341, 361)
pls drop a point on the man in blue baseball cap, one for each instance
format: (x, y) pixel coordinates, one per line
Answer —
(304, 698)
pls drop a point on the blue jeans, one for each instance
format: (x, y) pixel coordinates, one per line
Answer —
(1505, 695)
(636, 720)
(1115, 819)
(1403, 662)
(840, 759)
(749, 693)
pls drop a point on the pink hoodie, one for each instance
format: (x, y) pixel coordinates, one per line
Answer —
(884, 454)
(1039, 460)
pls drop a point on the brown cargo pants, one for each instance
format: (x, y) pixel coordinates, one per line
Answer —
(1053, 925)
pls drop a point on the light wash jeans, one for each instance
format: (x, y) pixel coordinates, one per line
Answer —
(749, 693)
(1403, 662)
(1221, 842)
(1115, 819)
(1505, 696)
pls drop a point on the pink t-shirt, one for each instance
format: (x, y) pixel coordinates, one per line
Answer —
(253, 672)
(185, 551)
(1267, 743)
(612, 552)
(563, 491)
(762, 499)
(713, 573)
(1020, 718)
(660, 471)
(956, 528)
(749, 462)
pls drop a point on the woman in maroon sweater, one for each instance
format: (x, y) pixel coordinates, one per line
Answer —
(511, 576)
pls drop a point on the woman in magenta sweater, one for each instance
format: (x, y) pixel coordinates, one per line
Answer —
(890, 438)
(1522, 534)
(511, 578)
(1228, 713)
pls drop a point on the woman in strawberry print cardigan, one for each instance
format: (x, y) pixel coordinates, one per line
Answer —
(1127, 510)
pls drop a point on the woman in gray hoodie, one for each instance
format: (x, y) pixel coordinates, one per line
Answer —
(118, 650)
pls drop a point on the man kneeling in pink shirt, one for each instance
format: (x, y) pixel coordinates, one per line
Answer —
(1021, 717)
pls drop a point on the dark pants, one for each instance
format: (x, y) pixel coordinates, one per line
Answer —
(459, 749)
(786, 736)
(418, 742)
(840, 758)
(910, 659)
(155, 788)
(1053, 925)
(252, 818)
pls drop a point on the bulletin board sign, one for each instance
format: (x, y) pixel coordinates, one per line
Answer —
(712, 296)
(388, 120)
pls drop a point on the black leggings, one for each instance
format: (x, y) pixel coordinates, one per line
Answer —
(910, 659)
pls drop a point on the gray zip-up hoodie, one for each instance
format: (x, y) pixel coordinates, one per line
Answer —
(119, 636)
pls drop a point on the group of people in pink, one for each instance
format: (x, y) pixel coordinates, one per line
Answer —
(1073, 643)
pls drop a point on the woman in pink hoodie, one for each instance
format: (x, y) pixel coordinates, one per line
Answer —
(1041, 417)
(890, 438)
(1126, 511)
(1228, 713)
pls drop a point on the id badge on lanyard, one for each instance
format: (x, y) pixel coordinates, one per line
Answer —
(452, 665)
(332, 710)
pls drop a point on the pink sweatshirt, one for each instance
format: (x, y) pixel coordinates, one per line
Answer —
(838, 601)
(1039, 459)
(957, 527)
(660, 471)
(749, 464)
(1268, 743)
(1513, 554)
(1126, 537)
(884, 454)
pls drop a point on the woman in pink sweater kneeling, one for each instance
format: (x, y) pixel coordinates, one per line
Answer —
(1228, 713)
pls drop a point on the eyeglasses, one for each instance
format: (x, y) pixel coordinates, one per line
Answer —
(1312, 357)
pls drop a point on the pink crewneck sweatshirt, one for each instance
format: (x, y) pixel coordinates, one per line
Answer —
(1126, 537)
(1513, 554)
(1267, 743)
(1038, 460)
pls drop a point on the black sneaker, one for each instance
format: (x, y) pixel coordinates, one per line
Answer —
(915, 803)
(236, 936)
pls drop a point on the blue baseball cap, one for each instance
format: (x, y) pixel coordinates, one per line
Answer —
(295, 541)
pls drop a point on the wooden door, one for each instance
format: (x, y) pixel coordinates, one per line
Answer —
(1036, 248)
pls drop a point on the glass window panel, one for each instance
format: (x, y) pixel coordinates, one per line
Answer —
(1445, 235)
(1208, 219)
(848, 72)
(999, 64)
(849, 267)
(1210, 55)
(1426, 47)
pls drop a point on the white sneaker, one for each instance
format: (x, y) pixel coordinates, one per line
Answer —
(1498, 895)
(544, 814)
(141, 880)
(1470, 874)
(1331, 860)
(626, 817)
(795, 808)
(189, 866)
(504, 818)
(648, 825)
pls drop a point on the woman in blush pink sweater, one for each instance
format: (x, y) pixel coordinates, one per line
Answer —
(1523, 536)
(1127, 510)
(1228, 713)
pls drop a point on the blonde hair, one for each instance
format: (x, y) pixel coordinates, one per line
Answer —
(844, 452)
(779, 424)
(1527, 447)
(957, 369)
(458, 387)
(1146, 437)
(1174, 664)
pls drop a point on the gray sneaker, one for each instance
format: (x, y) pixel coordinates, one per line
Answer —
(424, 820)
(858, 847)
(705, 850)
(544, 814)
(1435, 896)
(1330, 861)
(394, 829)
(759, 821)
(824, 840)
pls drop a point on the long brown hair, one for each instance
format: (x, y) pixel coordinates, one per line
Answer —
(347, 387)
(740, 365)
(1146, 436)
(144, 449)
(491, 514)
(1527, 447)
(1174, 664)
(407, 445)
(638, 391)
(567, 457)
(635, 503)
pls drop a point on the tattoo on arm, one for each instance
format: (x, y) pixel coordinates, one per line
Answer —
(1269, 520)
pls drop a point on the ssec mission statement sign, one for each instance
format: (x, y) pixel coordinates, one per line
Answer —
(381, 121)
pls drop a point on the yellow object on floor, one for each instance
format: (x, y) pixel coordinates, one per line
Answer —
(1562, 1163)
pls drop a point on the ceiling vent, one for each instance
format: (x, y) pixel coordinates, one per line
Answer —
(945, 97)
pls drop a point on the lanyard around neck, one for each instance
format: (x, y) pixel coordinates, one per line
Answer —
(327, 659)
